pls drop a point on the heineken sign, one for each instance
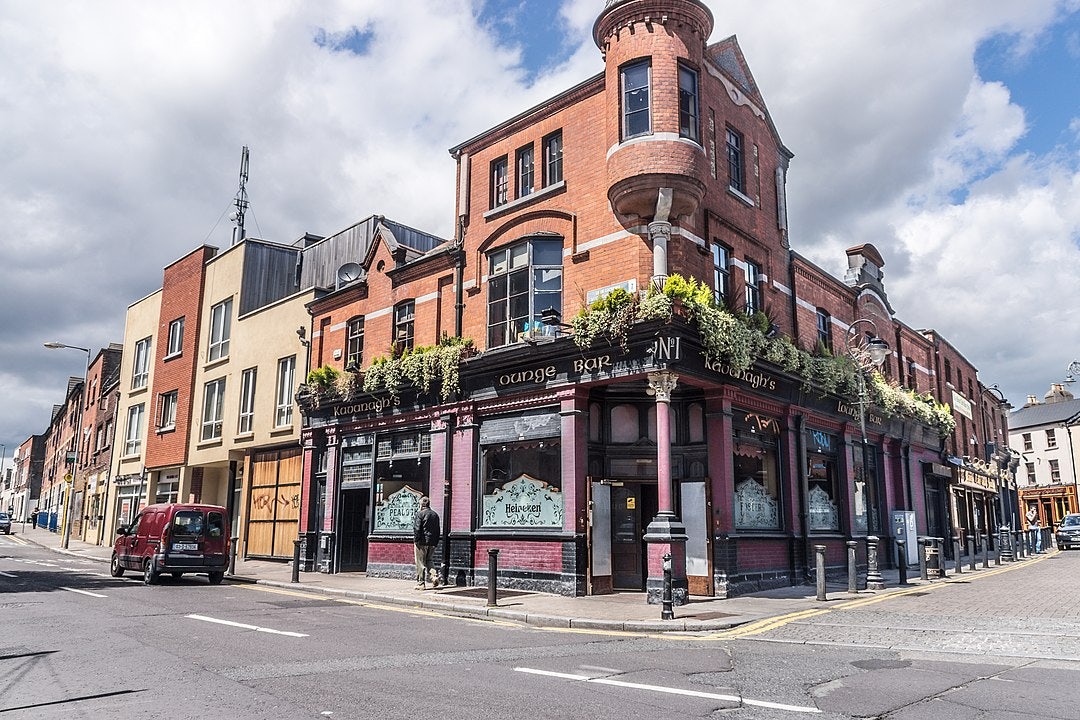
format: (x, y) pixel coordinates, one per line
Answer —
(524, 502)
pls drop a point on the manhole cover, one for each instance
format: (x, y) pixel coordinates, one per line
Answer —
(482, 593)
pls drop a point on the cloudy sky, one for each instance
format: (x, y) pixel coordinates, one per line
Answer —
(946, 133)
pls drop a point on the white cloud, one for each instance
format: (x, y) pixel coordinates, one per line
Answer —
(123, 124)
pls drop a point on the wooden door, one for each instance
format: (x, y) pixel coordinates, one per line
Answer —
(627, 565)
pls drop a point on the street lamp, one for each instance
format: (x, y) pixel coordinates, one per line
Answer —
(78, 437)
(867, 352)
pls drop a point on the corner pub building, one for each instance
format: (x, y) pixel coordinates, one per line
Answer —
(585, 466)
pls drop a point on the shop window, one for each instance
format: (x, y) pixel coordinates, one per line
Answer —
(865, 492)
(522, 484)
(757, 478)
(824, 499)
(524, 280)
(402, 467)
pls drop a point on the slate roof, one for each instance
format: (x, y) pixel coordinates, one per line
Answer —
(1045, 414)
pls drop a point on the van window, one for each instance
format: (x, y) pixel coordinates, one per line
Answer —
(188, 523)
(215, 524)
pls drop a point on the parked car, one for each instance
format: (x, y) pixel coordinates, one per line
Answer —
(5, 523)
(1068, 532)
(174, 538)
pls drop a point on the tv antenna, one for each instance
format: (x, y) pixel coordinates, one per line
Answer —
(241, 201)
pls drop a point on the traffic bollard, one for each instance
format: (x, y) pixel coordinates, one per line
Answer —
(958, 560)
(922, 559)
(232, 555)
(986, 550)
(901, 559)
(667, 612)
(819, 563)
(493, 572)
(874, 581)
(852, 569)
(971, 553)
(296, 561)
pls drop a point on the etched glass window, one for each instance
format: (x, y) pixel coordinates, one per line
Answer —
(522, 484)
(757, 503)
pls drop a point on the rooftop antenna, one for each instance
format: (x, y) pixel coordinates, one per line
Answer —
(241, 201)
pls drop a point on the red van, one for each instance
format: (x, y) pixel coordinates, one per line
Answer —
(174, 538)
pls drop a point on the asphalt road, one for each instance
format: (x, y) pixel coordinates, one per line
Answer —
(80, 644)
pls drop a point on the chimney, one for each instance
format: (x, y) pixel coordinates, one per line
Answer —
(1057, 393)
(1031, 400)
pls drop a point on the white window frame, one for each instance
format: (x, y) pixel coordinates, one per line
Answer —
(286, 375)
(167, 410)
(1051, 438)
(220, 331)
(176, 338)
(246, 422)
(213, 409)
(140, 367)
(133, 431)
(752, 296)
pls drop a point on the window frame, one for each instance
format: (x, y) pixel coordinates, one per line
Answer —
(721, 272)
(530, 268)
(133, 430)
(1051, 438)
(1055, 470)
(220, 330)
(524, 171)
(625, 96)
(689, 118)
(736, 156)
(175, 345)
(1026, 438)
(553, 158)
(167, 403)
(354, 342)
(140, 365)
(213, 417)
(752, 291)
(500, 182)
(249, 379)
(286, 381)
(404, 319)
(824, 329)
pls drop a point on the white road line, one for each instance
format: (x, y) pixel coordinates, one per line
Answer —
(7, 574)
(256, 628)
(83, 592)
(671, 691)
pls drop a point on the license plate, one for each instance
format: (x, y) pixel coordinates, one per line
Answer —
(185, 546)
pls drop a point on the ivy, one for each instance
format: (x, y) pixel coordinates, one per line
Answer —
(424, 367)
(739, 340)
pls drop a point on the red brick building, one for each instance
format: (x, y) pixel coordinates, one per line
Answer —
(586, 464)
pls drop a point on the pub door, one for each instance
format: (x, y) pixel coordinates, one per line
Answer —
(633, 506)
(937, 516)
(599, 538)
(355, 522)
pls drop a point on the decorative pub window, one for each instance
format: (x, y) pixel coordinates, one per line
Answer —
(401, 469)
(823, 481)
(522, 483)
(757, 476)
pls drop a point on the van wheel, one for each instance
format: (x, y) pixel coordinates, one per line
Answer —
(115, 568)
(150, 576)
(216, 578)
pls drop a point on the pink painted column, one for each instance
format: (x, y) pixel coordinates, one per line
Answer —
(666, 535)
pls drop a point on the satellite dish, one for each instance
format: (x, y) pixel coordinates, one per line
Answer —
(348, 272)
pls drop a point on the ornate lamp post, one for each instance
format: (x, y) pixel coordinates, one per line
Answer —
(78, 437)
(868, 352)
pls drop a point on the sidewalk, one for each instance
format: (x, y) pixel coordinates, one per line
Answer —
(626, 612)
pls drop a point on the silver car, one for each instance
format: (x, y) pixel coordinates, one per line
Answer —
(5, 523)
(1068, 532)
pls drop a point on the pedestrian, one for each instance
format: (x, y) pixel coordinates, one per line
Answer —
(33, 518)
(425, 538)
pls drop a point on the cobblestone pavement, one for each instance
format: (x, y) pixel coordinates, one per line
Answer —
(1021, 612)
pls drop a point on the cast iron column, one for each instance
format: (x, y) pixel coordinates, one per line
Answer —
(666, 533)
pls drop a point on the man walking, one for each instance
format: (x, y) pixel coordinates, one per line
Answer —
(425, 538)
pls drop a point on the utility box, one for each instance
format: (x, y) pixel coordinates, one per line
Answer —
(903, 527)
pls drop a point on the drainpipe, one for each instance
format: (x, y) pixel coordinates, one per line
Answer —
(793, 299)
(459, 276)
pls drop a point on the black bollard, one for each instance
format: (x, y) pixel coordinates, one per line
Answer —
(493, 572)
(819, 562)
(232, 554)
(666, 610)
(296, 561)
(971, 553)
(901, 559)
(852, 568)
(986, 550)
(1004, 545)
(958, 560)
(922, 558)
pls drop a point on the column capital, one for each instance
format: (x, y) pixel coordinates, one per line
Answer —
(661, 384)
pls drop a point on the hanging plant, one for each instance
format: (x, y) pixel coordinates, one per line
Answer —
(424, 367)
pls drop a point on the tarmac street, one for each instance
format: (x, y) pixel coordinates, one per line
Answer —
(1000, 643)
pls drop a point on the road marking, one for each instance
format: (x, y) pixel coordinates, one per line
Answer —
(256, 628)
(83, 592)
(7, 574)
(671, 691)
